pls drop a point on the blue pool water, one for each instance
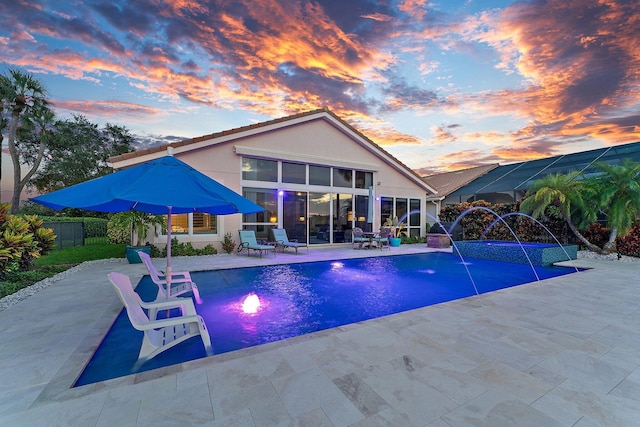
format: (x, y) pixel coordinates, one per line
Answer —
(301, 298)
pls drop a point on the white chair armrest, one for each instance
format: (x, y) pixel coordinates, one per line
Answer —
(185, 304)
(156, 324)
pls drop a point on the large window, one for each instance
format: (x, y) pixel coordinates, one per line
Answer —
(364, 179)
(294, 215)
(362, 213)
(319, 216)
(386, 209)
(319, 175)
(342, 217)
(407, 211)
(401, 210)
(342, 177)
(319, 204)
(415, 217)
(294, 173)
(259, 170)
(261, 222)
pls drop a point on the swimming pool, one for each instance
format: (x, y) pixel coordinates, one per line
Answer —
(297, 299)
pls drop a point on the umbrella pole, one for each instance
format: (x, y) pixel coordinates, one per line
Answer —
(168, 271)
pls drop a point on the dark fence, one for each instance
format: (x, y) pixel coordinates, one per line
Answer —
(77, 233)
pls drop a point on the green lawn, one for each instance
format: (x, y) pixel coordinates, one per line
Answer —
(58, 261)
(80, 254)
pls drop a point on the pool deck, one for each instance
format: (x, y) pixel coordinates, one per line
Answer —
(559, 352)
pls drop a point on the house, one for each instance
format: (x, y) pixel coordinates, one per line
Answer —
(448, 182)
(316, 176)
(509, 183)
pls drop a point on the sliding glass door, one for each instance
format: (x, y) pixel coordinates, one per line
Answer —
(294, 215)
(319, 215)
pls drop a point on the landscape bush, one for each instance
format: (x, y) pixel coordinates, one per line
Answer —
(475, 225)
(182, 249)
(22, 240)
(482, 223)
(228, 245)
(630, 244)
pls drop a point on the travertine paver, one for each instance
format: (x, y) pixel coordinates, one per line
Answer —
(564, 351)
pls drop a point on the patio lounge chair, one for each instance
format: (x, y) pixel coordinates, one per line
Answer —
(160, 334)
(280, 236)
(358, 237)
(382, 239)
(181, 282)
(248, 241)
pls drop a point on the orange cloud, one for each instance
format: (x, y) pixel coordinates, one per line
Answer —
(100, 108)
(579, 61)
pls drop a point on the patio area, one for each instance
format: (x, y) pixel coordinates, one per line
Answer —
(559, 352)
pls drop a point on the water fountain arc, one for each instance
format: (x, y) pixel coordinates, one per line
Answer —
(499, 218)
(453, 243)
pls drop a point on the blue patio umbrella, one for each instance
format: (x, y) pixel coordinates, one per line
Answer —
(161, 186)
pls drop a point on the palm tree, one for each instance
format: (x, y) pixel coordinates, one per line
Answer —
(21, 94)
(618, 191)
(566, 192)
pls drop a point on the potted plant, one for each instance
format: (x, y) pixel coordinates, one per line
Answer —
(397, 230)
(136, 225)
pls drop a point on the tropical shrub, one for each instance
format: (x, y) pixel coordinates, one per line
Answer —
(118, 233)
(481, 223)
(597, 234)
(124, 226)
(228, 245)
(22, 240)
(182, 249)
(613, 193)
(630, 244)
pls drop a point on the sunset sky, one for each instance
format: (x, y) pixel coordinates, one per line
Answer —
(441, 85)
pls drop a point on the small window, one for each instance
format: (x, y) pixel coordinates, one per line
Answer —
(180, 224)
(414, 212)
(364, 179)
(259, 170)
(319, 175)
(401, 210)
(342, 178)
(386, 209)
(201, 223)
(294, 173)
(204, 223)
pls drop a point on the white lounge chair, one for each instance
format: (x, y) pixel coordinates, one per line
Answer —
(248, 241)
(181, 282)
(280, 236)
(160, 334)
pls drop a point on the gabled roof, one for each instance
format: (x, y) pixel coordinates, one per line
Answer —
(200, 142)
(520, 176)
(448, 182)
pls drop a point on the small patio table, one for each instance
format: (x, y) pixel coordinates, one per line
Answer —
(370, 235)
